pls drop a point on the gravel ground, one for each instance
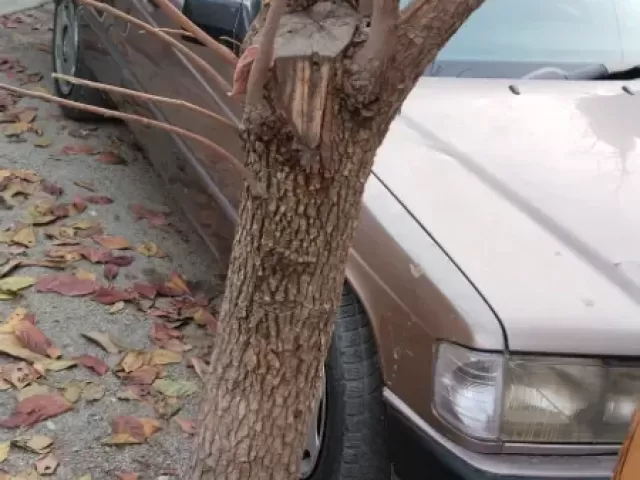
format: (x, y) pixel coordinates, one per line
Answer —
(78, 434)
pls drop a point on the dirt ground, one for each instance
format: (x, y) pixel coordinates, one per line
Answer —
(140, 396)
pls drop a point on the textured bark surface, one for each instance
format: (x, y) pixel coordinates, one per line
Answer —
(311, 149)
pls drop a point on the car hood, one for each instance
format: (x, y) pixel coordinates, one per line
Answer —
(533, 192)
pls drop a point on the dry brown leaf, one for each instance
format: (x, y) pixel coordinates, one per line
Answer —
(34, 443)
(187, 426)
(110, 271)
(103, 340)
(11, 346)
(43, 142)
(35, 340)
(77, 149)
(116, 307)
(10, 266)
(127, 476)
(128, 430)
(86, 185)
(26, 236)
(33, 389)
(92, 363)
(111, 295)
(200, 366)
(92, 392)
(85, 275)
(19, 374)
(66, 284)
(110, 158)
(150, 249)
(4, 450)
(113, 242)
(47, 465)
(13, 320)
(35, 409)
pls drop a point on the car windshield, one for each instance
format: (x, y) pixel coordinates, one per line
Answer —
(511, 37)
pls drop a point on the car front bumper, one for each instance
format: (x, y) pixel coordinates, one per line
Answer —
(419, 452)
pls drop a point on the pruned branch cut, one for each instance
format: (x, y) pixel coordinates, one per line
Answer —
(146, 96)
(177, 17)
(248, 177)
(160, 34)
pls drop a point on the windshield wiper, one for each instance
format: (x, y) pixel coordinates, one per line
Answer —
(630, 73)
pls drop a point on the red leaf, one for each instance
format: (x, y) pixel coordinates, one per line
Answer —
(128, 476)
(76, 149)
(93, 363)
(35, 409)
(66, 284)
(52, 189)
(109, 296)
(167, 337)
(145, 289)
(110, 158)
(242, 70)
(154, 217)
(187, 426)
(98, 199)
(120, 260)
(102, 255)
(111, 271)
(36, 341)
(79, 203)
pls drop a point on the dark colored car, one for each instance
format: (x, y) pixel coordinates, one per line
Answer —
(490, 322)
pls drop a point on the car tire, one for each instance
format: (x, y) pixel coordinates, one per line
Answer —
(76, 93)
(354, 446)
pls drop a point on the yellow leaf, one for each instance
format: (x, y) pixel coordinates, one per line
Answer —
(85, 275)
(25, 236)
(15, 284)
(150, 249)
(116, 307)
(43, 142)
(47, 465)
(164, 357)
(54, 365)
(122, 439)
(14, 319)
(11, 346)
(4, 450)
(34, 443)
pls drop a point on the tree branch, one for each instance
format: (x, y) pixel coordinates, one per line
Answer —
(178, 17)
(154, 31)
(248, 177)
(262, 63)
(423, 29)
(380, 42)
(146, 96)
(179, 33)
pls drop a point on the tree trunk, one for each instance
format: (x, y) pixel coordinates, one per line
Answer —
(310, 143)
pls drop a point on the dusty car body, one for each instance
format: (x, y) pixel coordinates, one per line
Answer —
(497, 258)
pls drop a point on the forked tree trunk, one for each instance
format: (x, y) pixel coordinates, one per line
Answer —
(310, 142)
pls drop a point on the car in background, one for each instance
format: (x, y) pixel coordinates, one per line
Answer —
(490, 321)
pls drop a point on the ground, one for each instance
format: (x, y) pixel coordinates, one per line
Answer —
(75, 156)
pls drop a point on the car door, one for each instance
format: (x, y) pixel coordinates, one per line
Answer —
(207, 187)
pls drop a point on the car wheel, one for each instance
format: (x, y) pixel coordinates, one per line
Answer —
(346, 440)
(67, 60)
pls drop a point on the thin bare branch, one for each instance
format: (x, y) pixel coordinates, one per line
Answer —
(154, 31)
(178, 18)
(146, 96)
(144, 121)
(179, 33)
(231, 40)
(262, 63)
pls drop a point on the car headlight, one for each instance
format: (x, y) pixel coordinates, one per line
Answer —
(534, 399)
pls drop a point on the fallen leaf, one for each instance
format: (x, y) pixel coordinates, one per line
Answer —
(92, 392)
(111, 295)
(92, 363)
(116, 307)
(13, 320)
(134, 360)
(19, 374)
(85, 275)
(175, 388)
(28, 115)
(150, 249)
(72, 391)
(35, 409)
(52, 189)
(33, 389)
(119, 260)
(128, 430)
(34, 443)
(11, 346)
(145, 375)
(44, 263)
(4, 450)
(134, 392)
(154, 217)
(113, 242)
(66, 284)
(167, 407)
(86, 477)
(10, 266)
(43, 142)
(145, 289)
(111, 271)
(35, 340)
(110, 158)
(10, 286)
(103, 340)
(128, 476)
(164, 357)
(26, 236)
(174, 287)
(205, 318)
(200, 366)
(187, 426)
(47, 465)
(98, 200)
(86, 185)
(55, 365)
(77, 149)
(167, 337)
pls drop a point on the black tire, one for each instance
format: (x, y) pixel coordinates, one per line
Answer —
(354, 446)
(78, 93)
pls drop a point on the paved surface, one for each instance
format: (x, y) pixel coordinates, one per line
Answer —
(14, 6)
(78, 434)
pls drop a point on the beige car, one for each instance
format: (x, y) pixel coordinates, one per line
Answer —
(490, 323)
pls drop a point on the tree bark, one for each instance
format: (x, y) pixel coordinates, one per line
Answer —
(310, 143)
